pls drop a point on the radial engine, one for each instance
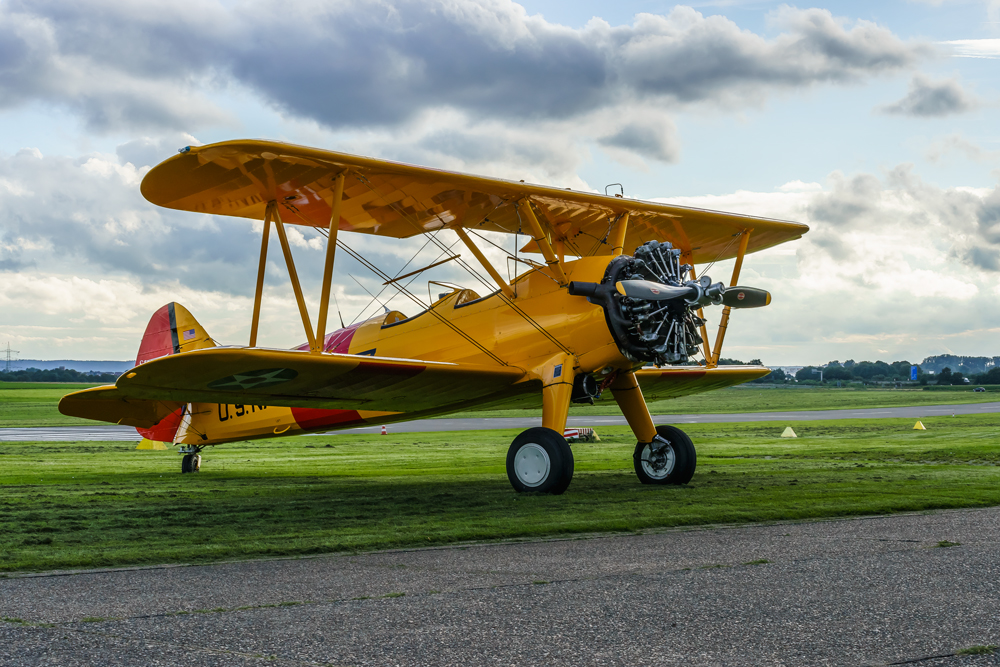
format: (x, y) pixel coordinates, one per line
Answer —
(650, 303)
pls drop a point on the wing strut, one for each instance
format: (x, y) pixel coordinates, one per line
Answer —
(701, 315)
(293, 277)
(331, 249)
(619, 240)
(504, 287)
(542, 241)
(720, 336)
(260, 278)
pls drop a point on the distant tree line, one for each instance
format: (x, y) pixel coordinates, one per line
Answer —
(56, 375)
(775, 376)
(897, 371)
(854, 371)
(968, 366)
(870, 372)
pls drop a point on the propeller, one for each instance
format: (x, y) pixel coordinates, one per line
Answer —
(699, 292)
(746, 297)
(650, 291)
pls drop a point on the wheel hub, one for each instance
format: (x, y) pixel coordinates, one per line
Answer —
(532, 464)
(658, 458)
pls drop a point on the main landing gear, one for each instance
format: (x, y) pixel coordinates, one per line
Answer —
(669, 459)
(540, 460)
(664, 454)
(192, 458)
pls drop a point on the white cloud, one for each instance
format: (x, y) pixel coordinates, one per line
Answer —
(940, 148)
(974, 48)
(927, 98)
(380, 65)
(891, 263)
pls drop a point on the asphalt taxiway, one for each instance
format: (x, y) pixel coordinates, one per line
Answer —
(871, 591)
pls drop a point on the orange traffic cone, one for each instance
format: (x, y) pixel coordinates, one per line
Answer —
(384, 432)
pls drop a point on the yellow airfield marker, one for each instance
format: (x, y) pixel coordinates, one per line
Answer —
(145, 443)
(919, 427)
(788, 433)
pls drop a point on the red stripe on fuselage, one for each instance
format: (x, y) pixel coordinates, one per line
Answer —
(338, 341)
(312, 418)
(165, 429)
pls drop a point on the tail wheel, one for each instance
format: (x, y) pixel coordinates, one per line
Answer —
(540, 460)
(669, 459)
(191, 463)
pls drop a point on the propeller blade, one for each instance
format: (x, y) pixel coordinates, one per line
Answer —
(650, 291)
(746, 297)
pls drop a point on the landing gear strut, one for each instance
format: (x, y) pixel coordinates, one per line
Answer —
(540, 460)
(192, 458)
(669, 459)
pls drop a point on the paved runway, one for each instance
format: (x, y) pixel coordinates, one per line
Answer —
(871, 591)
(127, 433)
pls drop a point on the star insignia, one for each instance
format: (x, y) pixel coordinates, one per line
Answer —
(258, 379)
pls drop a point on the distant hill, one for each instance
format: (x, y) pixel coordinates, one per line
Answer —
(964, 365)
(118, 367)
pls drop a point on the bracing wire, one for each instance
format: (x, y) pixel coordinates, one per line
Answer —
(465, 265)
(402, 289)
(720, 254)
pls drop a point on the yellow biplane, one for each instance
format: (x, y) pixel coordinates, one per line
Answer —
(615, 305)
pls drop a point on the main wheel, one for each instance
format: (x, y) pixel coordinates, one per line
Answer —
(540, 460)
(671, 461)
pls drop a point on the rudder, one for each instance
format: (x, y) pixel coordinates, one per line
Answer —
(172, 329)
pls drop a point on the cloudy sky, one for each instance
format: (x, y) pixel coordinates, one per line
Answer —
(874, 123)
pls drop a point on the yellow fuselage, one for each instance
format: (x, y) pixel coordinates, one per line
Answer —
(535, 331)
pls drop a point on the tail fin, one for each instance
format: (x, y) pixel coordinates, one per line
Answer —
(172, 330)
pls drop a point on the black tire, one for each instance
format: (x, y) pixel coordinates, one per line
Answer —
(678, 471)
(186, 463)
(545, 464)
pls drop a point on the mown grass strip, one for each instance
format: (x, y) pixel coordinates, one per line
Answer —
(78, 505)
(25, 405)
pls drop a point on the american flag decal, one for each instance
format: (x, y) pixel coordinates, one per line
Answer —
(189, 334)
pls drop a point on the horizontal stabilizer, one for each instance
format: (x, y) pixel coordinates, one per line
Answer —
(108, 404)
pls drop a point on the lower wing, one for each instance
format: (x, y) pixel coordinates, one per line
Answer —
(658, 384)
(235, 375)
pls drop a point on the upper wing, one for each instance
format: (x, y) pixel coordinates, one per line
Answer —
(238, 178)
(662, 383)
(235, 375)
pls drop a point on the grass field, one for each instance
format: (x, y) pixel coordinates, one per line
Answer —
(68, 505)
(748, 398)
(27, 404)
